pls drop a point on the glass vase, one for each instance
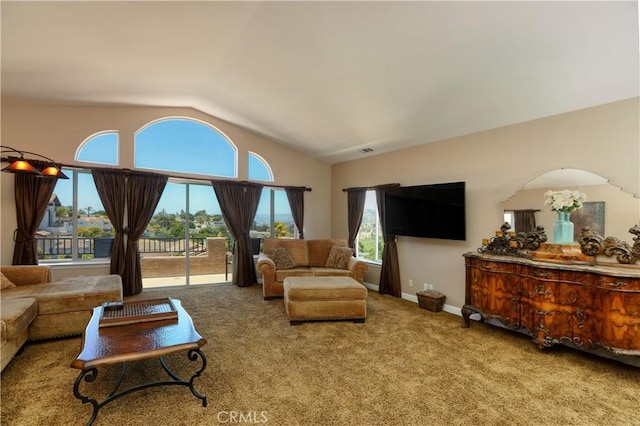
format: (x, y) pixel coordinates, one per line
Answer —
(563, 229)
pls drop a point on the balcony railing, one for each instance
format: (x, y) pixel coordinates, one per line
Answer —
(89, 248)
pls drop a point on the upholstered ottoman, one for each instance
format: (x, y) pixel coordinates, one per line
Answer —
(324, 298)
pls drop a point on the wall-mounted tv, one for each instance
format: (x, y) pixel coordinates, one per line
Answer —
(427, 211)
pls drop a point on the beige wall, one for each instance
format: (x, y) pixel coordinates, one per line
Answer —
(495, 164)
(56, 131)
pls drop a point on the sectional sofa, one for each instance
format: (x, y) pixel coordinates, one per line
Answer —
(34, 307)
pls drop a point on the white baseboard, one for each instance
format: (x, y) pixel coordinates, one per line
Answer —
(413, 298)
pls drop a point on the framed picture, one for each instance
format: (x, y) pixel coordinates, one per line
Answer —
(592, 215)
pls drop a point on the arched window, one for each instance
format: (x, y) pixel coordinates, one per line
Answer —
(181, 144)
(258, 169)
(101, 148)
(273, 218)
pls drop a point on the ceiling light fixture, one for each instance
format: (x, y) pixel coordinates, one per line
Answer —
(22, 165)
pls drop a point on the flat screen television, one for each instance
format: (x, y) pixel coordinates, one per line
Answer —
(427, 211)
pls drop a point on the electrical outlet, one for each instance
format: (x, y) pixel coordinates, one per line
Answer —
(426, 286)
(410, 283)
(430, 286)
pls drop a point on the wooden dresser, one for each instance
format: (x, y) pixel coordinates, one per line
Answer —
(593, 308)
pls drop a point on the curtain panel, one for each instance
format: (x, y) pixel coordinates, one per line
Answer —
(143, 194)
(525, 220)
(111, 186)
(137, 194)
(32, 196)
(295, 195)
(239, 204)
(390, 272)
(355, 210)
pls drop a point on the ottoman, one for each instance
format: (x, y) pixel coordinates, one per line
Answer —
(324, 298)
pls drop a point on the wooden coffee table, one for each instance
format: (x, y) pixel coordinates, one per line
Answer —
(120, 344)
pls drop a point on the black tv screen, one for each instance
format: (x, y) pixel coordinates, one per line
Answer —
(427, 211)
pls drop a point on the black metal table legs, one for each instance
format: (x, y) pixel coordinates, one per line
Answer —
(89, 375)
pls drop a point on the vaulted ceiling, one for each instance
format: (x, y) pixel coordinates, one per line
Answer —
(329, 78)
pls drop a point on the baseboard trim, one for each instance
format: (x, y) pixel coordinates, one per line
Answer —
(455, 310)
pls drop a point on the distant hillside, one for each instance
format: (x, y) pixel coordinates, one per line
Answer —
(369, 216)
(263, 219)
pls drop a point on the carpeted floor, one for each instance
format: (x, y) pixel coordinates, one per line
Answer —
(404, 366)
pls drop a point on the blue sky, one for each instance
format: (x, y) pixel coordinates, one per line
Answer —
(172, 145)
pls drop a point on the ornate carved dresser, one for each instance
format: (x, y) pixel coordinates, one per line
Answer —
(590, 307)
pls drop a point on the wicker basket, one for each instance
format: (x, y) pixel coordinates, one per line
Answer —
(431, 300)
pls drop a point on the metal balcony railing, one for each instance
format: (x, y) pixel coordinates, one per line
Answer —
(88, 248)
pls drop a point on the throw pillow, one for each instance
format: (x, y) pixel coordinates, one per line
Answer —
(281, 258)
(339, 257)
(5, 282)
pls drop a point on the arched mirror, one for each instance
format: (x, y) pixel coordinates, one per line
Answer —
(607, 210)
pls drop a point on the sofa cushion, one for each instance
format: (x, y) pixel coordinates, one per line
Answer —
(17, 314)
(339, 257)
(319, 250)
(327, 288)
(5, 282)
(280, 257)
(331, 272)
(297, 248)
(70, 294)
(295, 272)
(27, 274)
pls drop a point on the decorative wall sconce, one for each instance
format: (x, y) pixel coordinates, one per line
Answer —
(23, 165)
(508, 243)
(592, 244)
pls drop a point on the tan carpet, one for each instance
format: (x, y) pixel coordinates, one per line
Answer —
(404, 366)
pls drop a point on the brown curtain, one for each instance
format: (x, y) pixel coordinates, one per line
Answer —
(355, 210)
(32, 196)
(239, 204)
(143, 193)
(295, 195)
(390, 272)
(111, 185)
(525, 220)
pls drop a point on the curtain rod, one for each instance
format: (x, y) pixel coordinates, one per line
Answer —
(204, 179)
(369, 188)
(76, 167)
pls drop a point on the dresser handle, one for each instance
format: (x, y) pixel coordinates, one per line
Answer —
(541, 291)
(488, 265)
(542, 274)
(615, 284)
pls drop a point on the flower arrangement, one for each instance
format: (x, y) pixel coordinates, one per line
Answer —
(564, 201)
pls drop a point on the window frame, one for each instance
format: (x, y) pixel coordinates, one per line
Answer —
(377, 232)
(234, 148)
(195, 178)
(85, 143)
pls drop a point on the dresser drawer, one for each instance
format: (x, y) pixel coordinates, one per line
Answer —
(616, 283)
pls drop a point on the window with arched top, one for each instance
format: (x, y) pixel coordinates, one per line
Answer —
(273, 217)
(100, 148)
(258, 168)
(76, 223)
(186, 145)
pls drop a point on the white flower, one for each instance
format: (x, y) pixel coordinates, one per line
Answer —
(564, 201)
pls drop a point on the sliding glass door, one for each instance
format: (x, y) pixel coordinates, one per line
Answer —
(186, 242)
